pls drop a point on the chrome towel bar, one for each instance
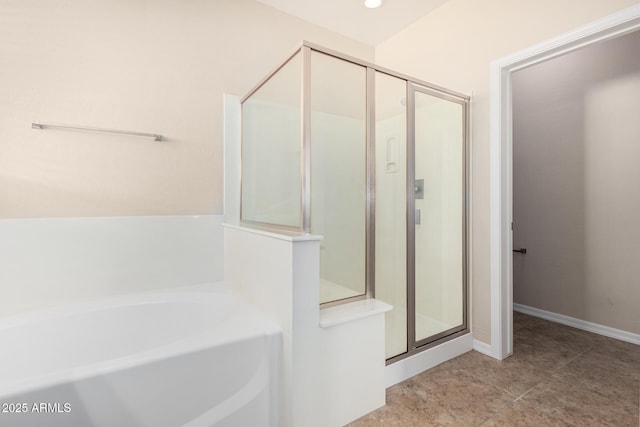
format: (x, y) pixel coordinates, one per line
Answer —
(35, 125)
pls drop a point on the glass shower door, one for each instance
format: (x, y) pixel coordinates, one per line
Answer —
(439, 215)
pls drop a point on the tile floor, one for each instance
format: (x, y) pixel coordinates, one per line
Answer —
(557, 376)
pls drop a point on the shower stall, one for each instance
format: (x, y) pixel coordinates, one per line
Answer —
(376, 162)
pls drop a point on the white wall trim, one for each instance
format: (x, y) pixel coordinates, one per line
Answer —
(596, 328)
(501, 174)
(482, 347)
(413, 365)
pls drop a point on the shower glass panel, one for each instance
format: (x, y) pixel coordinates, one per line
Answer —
(439, 215)
(271, 129)
(338, 174)
(391, 207)
(375, 162)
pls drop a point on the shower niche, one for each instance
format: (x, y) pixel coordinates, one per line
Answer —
(376, 163)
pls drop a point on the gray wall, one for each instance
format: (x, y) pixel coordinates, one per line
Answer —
(576, 184)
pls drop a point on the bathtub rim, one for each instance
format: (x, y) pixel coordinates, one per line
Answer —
(241, 309)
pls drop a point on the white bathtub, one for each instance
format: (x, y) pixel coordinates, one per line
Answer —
(196, 358)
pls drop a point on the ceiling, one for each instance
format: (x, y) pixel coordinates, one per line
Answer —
(352, 19)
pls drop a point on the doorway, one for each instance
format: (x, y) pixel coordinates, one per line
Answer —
(501, 203)
(575, 138)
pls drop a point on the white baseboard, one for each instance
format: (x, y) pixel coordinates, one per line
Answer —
(578, 323)
(482, 347)
(420, 362)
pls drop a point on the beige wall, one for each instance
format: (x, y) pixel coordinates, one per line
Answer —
(575, 140)
(146, 66)
(453, 47)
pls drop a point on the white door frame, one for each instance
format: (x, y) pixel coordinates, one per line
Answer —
(501, 174)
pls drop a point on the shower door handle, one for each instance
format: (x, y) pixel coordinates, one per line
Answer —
(417, 218)
(521, 250)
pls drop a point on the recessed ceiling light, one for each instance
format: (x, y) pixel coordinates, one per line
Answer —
(372, 4)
